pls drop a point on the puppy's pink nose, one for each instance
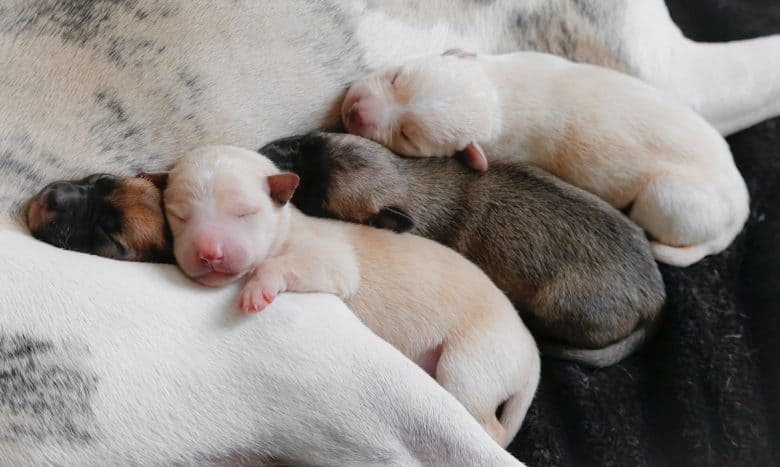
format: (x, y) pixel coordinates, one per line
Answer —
(210, 252)
(360, 116)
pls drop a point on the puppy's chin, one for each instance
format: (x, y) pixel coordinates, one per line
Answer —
(216, 278)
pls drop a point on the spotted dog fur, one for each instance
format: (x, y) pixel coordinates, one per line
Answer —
(45, 390)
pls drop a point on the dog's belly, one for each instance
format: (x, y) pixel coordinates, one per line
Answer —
(117, 87)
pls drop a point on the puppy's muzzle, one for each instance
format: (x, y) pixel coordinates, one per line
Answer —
(54, 198)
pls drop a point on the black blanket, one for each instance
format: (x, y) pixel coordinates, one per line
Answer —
(706, 391)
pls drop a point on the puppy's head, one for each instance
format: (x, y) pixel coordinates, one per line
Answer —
(344, 176)
(434, 106)
(104, 215)
(227, 210)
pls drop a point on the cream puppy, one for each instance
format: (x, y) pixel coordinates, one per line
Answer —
(598, 129)
(230, 218)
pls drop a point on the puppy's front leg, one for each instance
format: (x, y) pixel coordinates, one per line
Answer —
(265, 283)
(318, 268)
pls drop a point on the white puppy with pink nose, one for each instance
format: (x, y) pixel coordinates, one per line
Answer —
(229, 214)
(601, 130)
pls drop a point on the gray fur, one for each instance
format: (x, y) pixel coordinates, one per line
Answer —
(580, 271)
(581, 30)
(45, 391)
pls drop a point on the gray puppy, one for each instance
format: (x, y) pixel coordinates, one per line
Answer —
(580, 272)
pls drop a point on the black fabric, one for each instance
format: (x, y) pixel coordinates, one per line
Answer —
(706, 391)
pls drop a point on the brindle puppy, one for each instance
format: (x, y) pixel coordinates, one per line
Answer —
(581, 271)
(109, 216)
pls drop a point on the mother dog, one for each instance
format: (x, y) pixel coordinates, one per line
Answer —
(113, 86)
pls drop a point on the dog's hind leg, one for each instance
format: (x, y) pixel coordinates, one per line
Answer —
(688, 218)
(484, 368)
(733, 85)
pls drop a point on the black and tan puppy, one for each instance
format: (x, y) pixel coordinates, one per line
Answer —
(581, 272)
(104, 215)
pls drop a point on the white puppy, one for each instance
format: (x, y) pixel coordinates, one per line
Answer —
(230, 218)
(601, 130)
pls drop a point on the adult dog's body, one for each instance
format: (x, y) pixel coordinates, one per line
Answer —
(119, 86)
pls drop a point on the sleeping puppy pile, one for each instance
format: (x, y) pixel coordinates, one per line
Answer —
(443, 256)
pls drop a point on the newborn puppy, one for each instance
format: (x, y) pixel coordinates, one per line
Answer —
(584, 273)
(598, 129)
(228, 212)
(103, 215)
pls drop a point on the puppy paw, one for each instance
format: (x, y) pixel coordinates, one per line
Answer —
(258, 293)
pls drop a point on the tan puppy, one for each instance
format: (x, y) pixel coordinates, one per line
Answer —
(229, 216)
(598, 129)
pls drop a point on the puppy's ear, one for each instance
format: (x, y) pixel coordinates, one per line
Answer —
(392, 219)
(160, 179)
(460, 53)
(281, 186)
(473, 156)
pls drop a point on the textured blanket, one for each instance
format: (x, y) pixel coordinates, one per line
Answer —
(706, 391)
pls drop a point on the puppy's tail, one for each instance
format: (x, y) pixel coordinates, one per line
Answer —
(512, 415)
(609, 355)
(515, 408)
(684, 256)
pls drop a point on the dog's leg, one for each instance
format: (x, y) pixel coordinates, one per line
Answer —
(733, 85)
(323, 267)
(687, 218)
(482, 373)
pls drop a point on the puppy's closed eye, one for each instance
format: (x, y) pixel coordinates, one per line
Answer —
(249, 212)
(391, 218)
(108, 245)
(177, 216)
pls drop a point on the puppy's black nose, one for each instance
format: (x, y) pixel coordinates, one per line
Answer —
(61, 194)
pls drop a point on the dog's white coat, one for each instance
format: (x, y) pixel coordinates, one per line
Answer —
(262, 76)
(185, 377)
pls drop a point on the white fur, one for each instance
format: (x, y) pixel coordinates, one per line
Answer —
(734, 85)
(182, 377)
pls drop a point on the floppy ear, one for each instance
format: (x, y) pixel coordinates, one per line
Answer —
(392, 219)
(473, 156)
(281, 186)
(159, 179)
(460, 53)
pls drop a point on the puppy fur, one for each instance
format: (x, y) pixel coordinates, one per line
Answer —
(229, 218)
(601, 130)
(105, 215)
(579, 271)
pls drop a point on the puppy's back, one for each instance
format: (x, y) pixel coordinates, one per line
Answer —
(567, 255)
(414, 286)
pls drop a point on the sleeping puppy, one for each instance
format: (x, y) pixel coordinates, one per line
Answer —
(105, 215)
(228, 212)
(581, 273)
(600, 130)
